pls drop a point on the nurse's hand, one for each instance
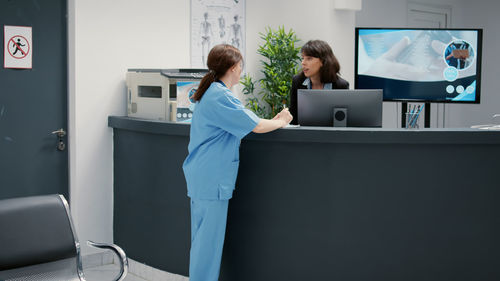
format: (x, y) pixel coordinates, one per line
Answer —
(279, 121)
(285, 116)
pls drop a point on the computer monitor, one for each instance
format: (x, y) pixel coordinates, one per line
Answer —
(340, 108)
(420, 64)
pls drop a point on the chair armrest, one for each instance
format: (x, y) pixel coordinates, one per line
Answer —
(119, 252)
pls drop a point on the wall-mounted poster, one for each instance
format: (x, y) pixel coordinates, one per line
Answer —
(215, 22)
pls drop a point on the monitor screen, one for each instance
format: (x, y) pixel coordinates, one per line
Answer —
(185, 107)
(431, 65)
(339, 108)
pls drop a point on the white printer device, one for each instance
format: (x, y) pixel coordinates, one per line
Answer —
(161, 94)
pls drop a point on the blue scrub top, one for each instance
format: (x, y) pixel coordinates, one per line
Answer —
(219, 123)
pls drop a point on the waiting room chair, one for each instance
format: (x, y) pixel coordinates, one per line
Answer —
(38, 241)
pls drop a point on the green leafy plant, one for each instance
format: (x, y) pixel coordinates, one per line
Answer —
(279, 66)
(252, 101)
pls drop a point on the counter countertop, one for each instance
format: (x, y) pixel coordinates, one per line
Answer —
(327, 134)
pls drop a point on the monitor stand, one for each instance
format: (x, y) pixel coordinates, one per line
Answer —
(427, 114)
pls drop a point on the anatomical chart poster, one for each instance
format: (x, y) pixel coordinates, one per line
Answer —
(216, 22)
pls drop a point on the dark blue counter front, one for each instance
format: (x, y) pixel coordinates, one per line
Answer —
(321, 203)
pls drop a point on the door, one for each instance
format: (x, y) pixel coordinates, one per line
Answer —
(431, 16)
(428, 15)
(33, 103)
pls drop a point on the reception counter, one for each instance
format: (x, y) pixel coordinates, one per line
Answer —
(321, 203)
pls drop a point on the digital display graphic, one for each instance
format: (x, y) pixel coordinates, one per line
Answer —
(185, 107)
(432, 65)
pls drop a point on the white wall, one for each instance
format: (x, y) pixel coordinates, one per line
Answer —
(110, 37)
(314, 19)
(107, 38)
(481, 14)
(465, 14)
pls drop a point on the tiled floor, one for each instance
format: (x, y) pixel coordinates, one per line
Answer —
(107, 272)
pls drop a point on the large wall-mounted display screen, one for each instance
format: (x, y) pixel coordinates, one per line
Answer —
(431, 65)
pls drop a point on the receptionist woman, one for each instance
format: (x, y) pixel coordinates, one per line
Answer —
(320, 70)
(219, 123)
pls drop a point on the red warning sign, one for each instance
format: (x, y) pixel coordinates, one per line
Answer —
(18, 47)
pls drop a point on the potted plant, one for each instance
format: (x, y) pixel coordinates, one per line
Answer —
(280, 64)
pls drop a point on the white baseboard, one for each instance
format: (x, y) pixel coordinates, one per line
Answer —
(152, 274)
(97, 259)
(138, 269)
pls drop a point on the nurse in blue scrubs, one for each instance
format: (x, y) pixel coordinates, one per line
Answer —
(219, 123)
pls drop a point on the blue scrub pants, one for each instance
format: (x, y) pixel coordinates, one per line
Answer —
(208, 228)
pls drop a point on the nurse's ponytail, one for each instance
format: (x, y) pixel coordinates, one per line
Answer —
(220, 59)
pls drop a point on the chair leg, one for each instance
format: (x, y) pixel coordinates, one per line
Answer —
(119, 252)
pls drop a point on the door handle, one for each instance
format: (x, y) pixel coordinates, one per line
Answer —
(60, 134)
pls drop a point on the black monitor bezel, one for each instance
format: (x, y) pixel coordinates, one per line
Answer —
(344, 98)
(478, 62)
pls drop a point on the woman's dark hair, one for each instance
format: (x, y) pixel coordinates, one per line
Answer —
(221, 58)
(321, 50)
